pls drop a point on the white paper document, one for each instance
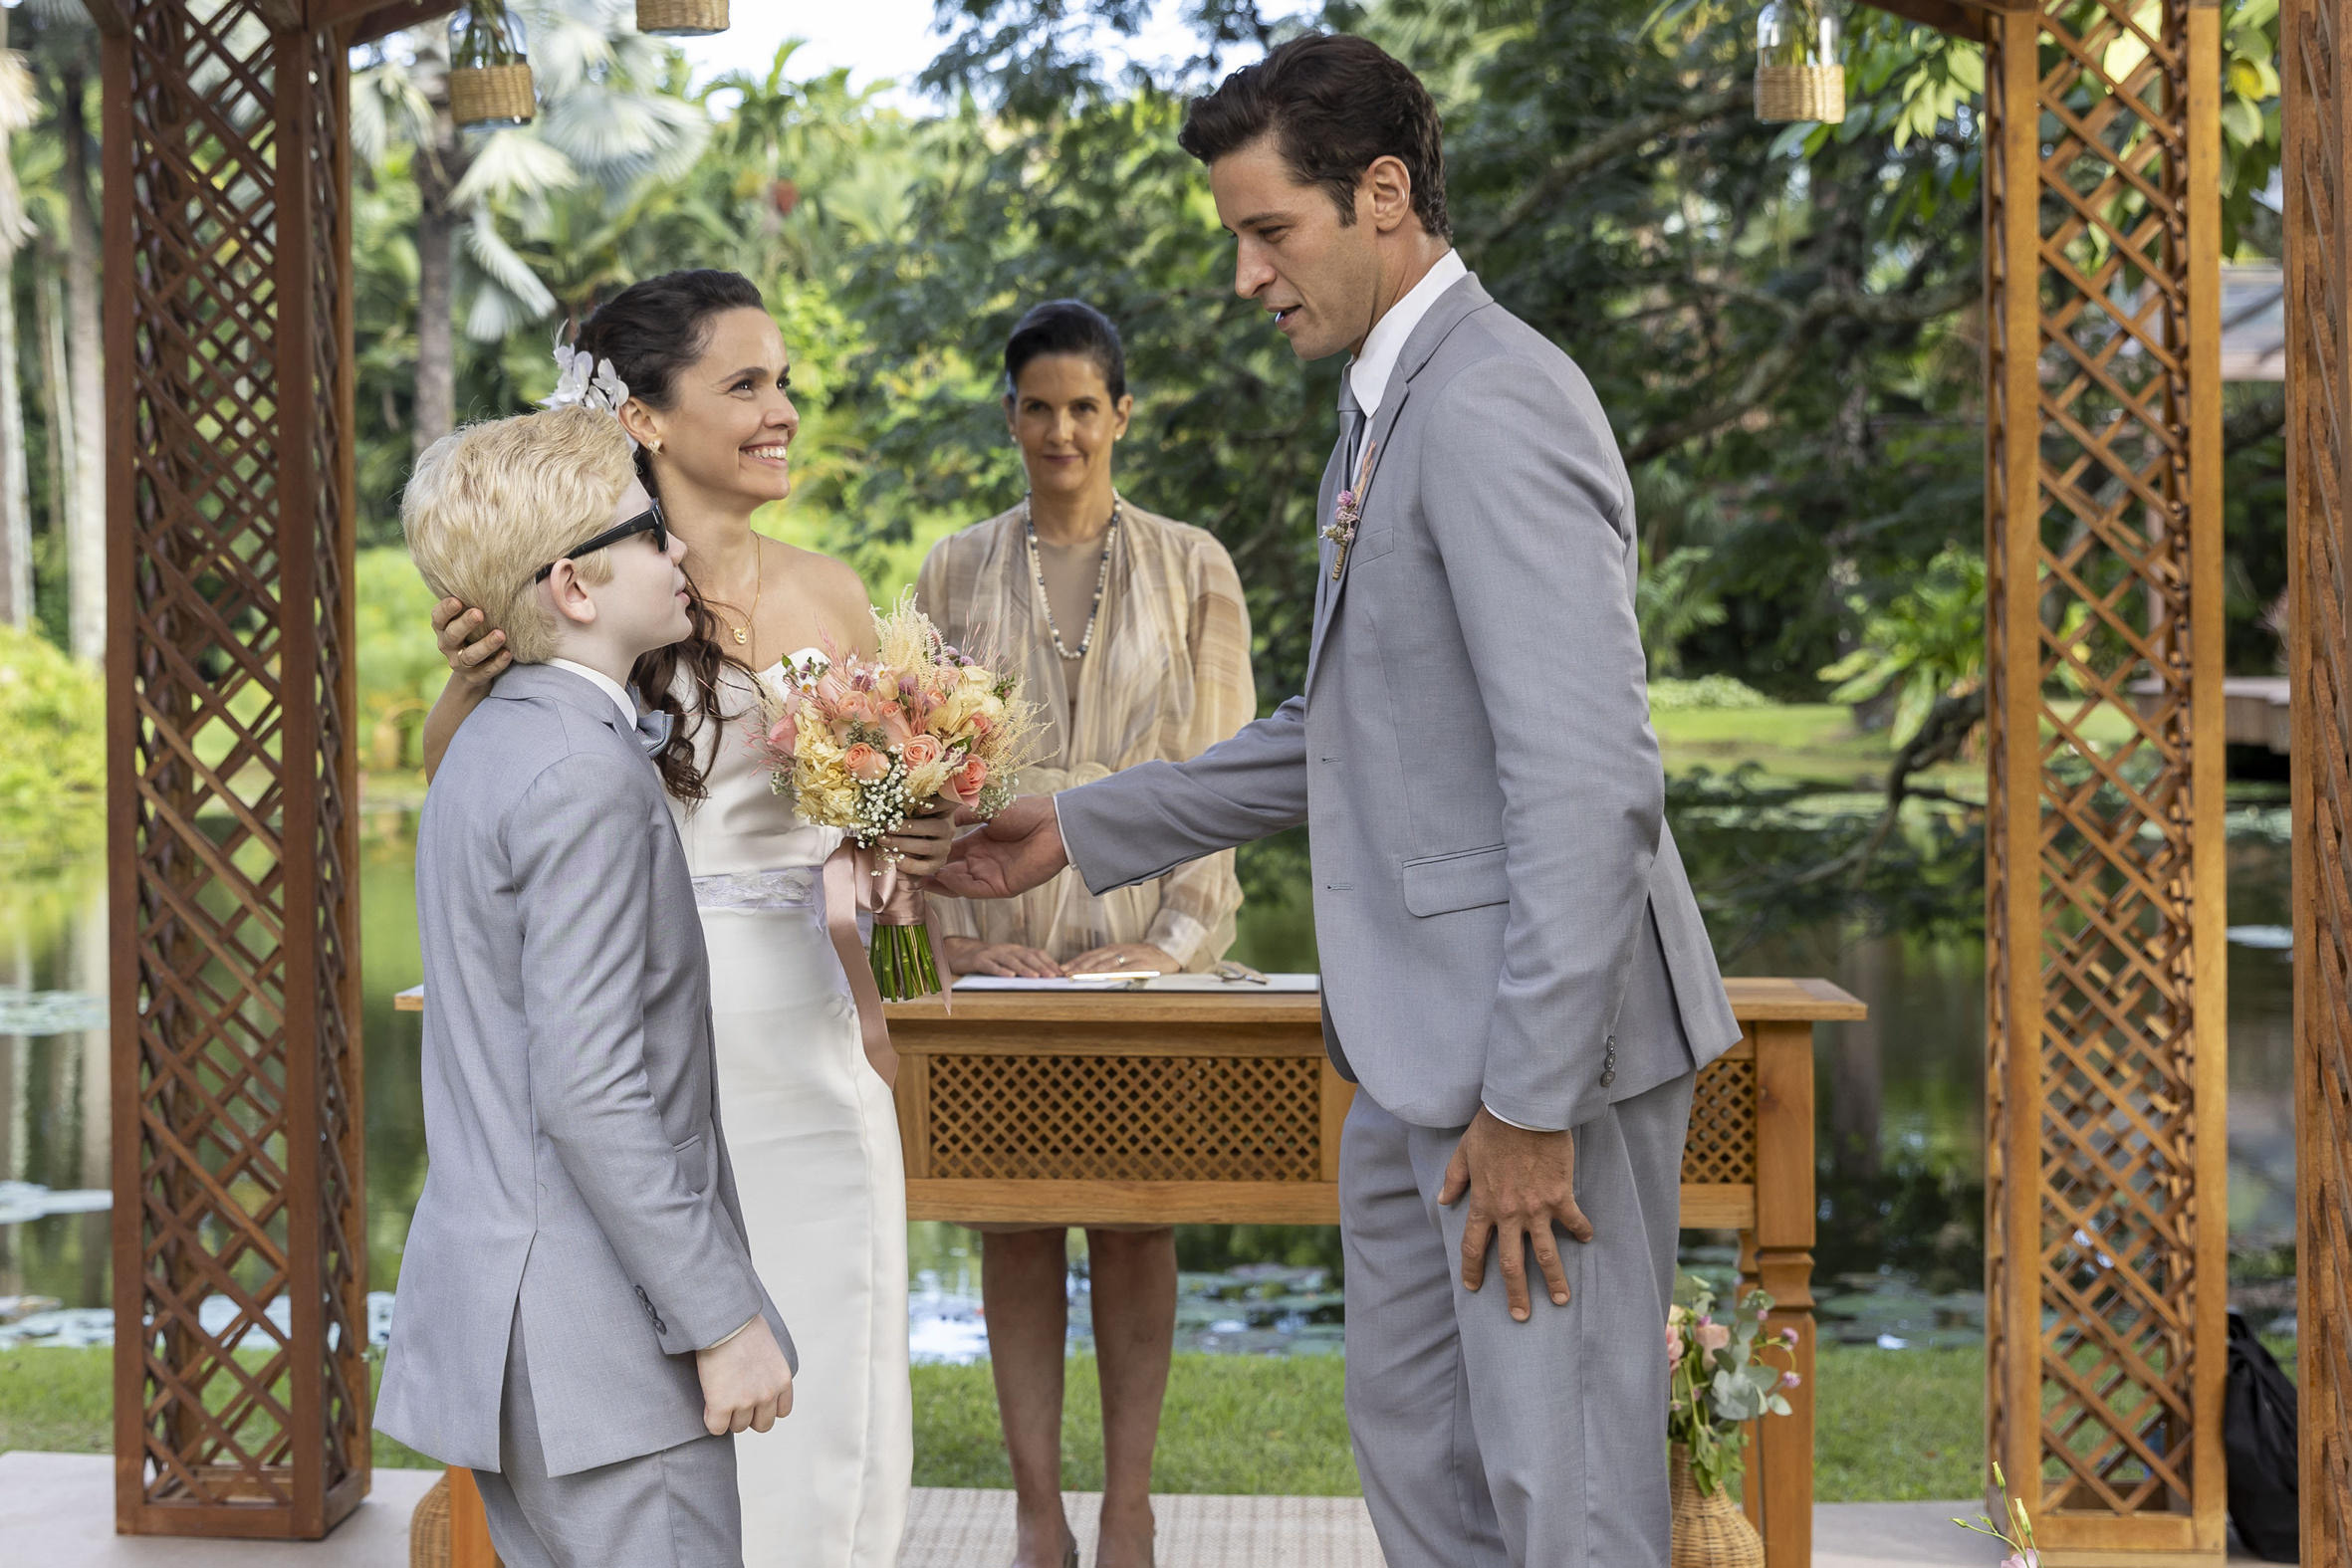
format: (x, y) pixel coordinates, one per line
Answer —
(1274, 982)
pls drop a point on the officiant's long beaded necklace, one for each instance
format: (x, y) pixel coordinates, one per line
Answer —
(1036, 568)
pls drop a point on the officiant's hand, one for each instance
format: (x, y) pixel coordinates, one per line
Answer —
(971, 956)
(1116, 956)
(1520, 1183)
(1020, 848)
(746, 1381)
(476, 657)
(922, 842)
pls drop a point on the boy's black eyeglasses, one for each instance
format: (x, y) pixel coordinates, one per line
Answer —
(649, 520)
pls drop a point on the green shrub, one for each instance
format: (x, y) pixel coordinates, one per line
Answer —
(400, 666)
(52, 754)
(1668, 694)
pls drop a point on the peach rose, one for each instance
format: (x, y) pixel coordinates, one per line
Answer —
(897, 732)
(867, 765)
(1711, 1335)
(785, 733)
(969, 780)
(832, 690)
(921, 751)
(1674, 1346)
(859, 707)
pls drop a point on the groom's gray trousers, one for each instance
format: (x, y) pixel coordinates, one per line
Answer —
(1484, 1442)
(673, 1508)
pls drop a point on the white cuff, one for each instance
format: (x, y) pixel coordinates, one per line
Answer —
(1507, 1122)
(731, 1338)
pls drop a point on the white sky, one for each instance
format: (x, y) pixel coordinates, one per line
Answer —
(875, 39)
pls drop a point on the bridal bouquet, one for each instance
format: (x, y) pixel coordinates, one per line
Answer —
(865, 744)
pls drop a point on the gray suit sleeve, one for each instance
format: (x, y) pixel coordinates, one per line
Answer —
(1147, 820)
(1529, 497)
(579, 841)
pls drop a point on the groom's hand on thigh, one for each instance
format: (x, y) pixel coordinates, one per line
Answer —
(1520, 1185)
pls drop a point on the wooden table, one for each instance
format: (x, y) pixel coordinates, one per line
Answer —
(1191, 1107)
(1109, 1107)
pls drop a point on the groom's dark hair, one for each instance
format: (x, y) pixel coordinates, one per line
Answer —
(1335, 103)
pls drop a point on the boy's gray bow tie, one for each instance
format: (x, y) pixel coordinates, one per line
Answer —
(653, 731)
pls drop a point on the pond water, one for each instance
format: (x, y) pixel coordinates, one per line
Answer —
(1900, 1106)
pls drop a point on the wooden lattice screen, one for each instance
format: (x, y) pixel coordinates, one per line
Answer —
(2319, 464)
(2106, 1221)
(241, 1389)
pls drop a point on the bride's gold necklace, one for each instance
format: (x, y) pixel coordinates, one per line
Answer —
(743, 634)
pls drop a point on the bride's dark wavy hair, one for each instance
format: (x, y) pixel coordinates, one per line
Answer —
(652, 330)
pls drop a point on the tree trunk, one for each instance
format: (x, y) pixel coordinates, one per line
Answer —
(16, 489)
(56, 409)
(16, 485)
(437, 169)
(86, 517)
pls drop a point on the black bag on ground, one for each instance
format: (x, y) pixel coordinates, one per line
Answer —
(2258, 1440)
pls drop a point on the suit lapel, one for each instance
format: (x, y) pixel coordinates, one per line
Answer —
(1453, 308)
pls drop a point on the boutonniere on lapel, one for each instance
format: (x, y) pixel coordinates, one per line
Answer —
(1348, 511)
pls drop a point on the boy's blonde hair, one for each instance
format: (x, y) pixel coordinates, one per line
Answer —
(492, 503)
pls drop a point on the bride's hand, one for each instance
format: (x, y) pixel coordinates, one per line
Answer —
(922, 844)
(475, 657)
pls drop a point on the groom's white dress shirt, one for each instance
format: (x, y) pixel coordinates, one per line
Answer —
(1368, 373)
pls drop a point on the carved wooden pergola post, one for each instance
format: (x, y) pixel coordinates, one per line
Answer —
(2107, 1226)
(2318, 181)
(2106, 1166)
(239, 1237)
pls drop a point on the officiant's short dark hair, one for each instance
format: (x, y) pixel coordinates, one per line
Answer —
(1335, 103)
(1067, 326)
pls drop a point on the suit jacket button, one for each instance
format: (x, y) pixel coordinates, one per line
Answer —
(1608, 1076)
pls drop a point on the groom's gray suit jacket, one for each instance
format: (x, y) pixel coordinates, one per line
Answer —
(570, 1108)
(1501, 911)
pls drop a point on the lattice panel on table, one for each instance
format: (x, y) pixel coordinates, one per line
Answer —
(2100, 572)
(2319, 292)
(1720, 1148)
(240, 1234)
(1126, 1118)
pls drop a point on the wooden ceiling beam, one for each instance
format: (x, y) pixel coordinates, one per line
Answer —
(365, 21)
(1945, 16)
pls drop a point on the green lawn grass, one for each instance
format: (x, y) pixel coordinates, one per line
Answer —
(1891, 1423)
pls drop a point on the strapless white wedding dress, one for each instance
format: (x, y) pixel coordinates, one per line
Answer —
(814, 1140)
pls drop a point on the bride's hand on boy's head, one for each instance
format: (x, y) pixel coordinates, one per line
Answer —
(475, 656)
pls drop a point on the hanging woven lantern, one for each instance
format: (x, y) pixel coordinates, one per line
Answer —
(1797, 71)
(489, 72)
(681, 18)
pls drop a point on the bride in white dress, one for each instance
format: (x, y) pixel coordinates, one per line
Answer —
(809, 1123)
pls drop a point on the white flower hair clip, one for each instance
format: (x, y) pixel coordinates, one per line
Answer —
(589, 382)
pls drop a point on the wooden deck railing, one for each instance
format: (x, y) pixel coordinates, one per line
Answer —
(1212, 1108)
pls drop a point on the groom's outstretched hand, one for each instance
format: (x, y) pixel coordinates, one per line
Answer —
(1520, 1183)
(1017, 849)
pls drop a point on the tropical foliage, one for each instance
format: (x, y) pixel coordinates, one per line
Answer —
(1781, 319)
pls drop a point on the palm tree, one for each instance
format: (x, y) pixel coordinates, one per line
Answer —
(17, 107)
(611, 125)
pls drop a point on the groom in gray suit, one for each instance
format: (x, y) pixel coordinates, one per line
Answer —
(1514, 969)
(578, 1319)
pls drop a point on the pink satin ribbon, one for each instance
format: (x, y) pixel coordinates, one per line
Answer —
(855, 882)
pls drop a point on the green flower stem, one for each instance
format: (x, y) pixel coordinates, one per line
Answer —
(901, 957)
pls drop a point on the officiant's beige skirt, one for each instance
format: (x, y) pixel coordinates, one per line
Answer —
(814, 1141)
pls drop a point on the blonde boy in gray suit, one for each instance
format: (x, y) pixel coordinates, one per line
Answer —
(578, 1319)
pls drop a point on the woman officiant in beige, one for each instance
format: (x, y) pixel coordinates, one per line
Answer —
(1130, 631)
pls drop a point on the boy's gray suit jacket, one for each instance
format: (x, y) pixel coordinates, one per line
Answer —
(571, 1104)
(1497, 900)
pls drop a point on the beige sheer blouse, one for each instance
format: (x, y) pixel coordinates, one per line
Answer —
(1166, 677)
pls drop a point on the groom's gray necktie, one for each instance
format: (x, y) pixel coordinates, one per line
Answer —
(1351, 428)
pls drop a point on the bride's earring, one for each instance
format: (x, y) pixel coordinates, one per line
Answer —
(653, 445)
